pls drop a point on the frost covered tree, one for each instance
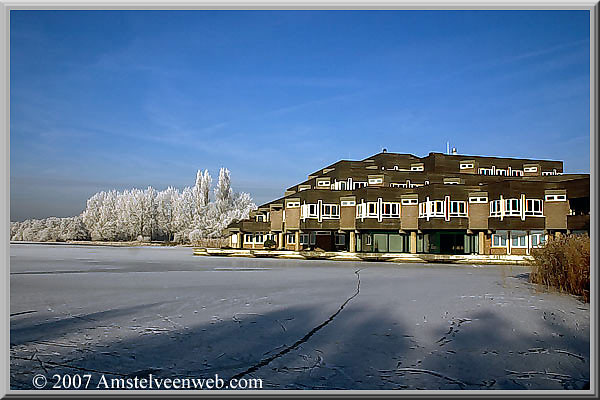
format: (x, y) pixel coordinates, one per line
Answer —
(148, 214)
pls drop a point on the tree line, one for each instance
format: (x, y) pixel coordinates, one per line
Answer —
(186, 216)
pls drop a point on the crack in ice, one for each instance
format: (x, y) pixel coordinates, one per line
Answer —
(303, 340)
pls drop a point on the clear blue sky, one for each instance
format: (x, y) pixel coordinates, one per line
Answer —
(122, 99)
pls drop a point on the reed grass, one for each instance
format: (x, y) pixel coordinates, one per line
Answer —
(563, 263)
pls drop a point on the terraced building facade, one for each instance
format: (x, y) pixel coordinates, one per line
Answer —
(440, 204)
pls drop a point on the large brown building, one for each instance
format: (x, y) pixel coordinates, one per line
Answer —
(445, 204)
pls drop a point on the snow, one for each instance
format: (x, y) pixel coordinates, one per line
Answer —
(414, 326)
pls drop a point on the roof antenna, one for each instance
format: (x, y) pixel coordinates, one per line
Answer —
(447, 147)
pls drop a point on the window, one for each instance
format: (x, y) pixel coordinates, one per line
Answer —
(293, 204)
(533, 207)
(402, 185)
(407, 202)
(342, 185)
(372, 209)
(304, 238)
(360, 210)
(260, 218)
(499, 239)
(458, 209)
(502, 172)
(485, 171)
(323, 183)
(516, 172)
(432, 208)
(248, 238)
(417, 168)
(340, 240)
(291, 238)
(481, 199)
(368, 240)
(495, 208)
(330, 211)
(391, 210)
(530, 169)
(451, 181)
(358, 185)
(313, 238)
(518, 239)
(512, 207)
(374, 181)
(437, 208)
(348, 203)
(537, 238)
(466, 166)
(556, 197)
(312, 211)
(259, 238)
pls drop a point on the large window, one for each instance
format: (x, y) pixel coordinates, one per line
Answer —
(259, 238)
(512, 207)
(312, 211)
(458, 209)
(391, 210)
(248, 238)
(340, 239)
(291, 238)
(499, 239)
(485, 171)
(330, 211)
(516, 172)
(304, 238)
(537, 238)
(372, 209)
(501, 172)
(495, 208)
(518, 239)
(357, 185)
(432, 208)
(533, 207)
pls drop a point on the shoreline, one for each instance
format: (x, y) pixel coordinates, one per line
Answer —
(104, 244)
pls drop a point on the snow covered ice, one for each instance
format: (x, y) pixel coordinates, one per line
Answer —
(294, 324)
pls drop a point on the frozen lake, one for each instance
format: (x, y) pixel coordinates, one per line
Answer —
(132, 311)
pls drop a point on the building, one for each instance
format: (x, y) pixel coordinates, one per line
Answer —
(440, 204)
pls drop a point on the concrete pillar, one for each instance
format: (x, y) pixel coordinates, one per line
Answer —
(413, 242)
(481, 241)
(280, 243)
(297, 248)
(352, 247)
(239, 244)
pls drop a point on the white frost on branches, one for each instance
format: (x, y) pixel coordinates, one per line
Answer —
(145, 215)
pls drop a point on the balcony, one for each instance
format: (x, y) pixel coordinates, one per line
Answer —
(253, 226)
(578, 222)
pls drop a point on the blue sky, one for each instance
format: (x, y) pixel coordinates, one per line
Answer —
(122, 99)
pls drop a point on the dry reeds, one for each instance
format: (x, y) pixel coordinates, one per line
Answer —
(564, 263)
